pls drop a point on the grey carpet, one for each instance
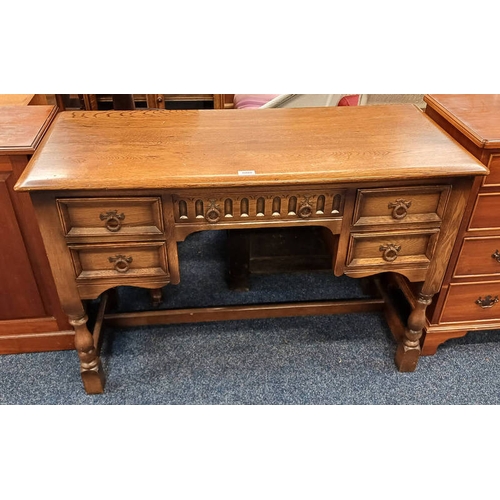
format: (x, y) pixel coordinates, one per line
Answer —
(321, 360)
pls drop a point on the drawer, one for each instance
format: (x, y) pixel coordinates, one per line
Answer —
(391, 249)
(479, 257)
(472, 302)
(400, 206)
(485, 213)
(493, 179)
(104, 216)
(119, 261)
(227, 207)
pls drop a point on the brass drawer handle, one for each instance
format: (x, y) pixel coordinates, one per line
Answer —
(113, 220)
(487, 302)
(390, 252)
(399, 208)
(496, 256)
(122, 263)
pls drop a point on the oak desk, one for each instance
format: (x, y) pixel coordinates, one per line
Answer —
(115, 191)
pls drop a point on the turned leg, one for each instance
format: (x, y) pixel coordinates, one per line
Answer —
(156, 295)
(90, 363)
(408, 350)
(239, 259)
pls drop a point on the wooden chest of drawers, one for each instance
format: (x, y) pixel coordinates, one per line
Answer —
(469, 298)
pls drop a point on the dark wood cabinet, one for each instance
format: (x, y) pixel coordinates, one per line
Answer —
(31, 318)
(144, 101)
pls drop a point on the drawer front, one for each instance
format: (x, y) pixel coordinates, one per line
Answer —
(119, 261)
(104, 216)
(479, 257)
(485, 213)
(392, 249)
(400, 206)
(493, 179)
(219, 208)
(472, 302)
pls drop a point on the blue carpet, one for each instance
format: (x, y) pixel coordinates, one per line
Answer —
(321, 360)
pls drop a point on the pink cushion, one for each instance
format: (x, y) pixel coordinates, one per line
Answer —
(252, 100)
(349, 100)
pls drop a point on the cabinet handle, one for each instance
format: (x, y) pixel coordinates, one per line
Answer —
(212, 214)
(496, 256)
(487, 302)
(305, 210)
(113, 220)
(390, 252)
(122, 263)
(399, 208)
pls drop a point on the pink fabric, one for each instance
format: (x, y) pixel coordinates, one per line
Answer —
(252, 100)
(349, 100)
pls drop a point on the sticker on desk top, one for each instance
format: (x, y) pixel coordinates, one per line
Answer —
(246, 172)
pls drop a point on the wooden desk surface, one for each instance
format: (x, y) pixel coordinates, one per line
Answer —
(206, 148)
(477, 116)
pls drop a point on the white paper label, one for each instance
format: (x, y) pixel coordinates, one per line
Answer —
(246, 172)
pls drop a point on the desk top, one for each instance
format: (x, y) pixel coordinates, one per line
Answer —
(152, 149)
(477, 116)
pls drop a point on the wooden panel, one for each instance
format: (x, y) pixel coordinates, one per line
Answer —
(119, 260)
(391, 249)
(494, 165)
(105, 216)
(34, 342)
(479, 257)
(20, 297)
(28, 225)
(260, 206)
(400, 206)
(461, 302)
(485, 213)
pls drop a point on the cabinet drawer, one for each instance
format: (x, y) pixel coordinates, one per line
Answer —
(485, 213)
(478, 257)
(119, 261)
(228, 207)
(400, 206)
(472, 302)
(493, 179)
(391, 249)
(104, 216)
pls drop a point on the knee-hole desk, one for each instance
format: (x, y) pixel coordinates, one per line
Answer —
(115, 191)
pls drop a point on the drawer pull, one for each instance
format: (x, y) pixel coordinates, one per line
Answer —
(122, 263)
(487, 302)
(113, 220)
(399, 208)
(390, 252)
(212, 214)
(496, 256)
(305, 210)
